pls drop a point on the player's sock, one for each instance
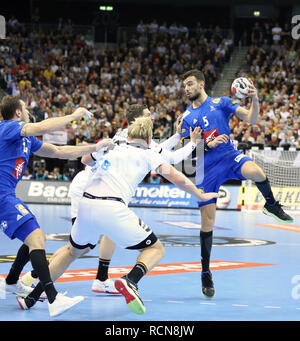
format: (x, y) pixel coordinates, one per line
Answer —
(102, 273)
(21, 260)
(206, 239)
(34, 296)
(137, 272)
(34, 274)
(266, 191)
(40, 265)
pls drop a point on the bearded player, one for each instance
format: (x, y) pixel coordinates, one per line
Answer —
(221, 161)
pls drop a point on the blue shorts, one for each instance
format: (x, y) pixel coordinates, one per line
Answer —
(226, 167)
(25, 229)
(16, 219)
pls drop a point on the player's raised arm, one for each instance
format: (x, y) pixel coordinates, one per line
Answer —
(40, 128)
(174, 157)
(71, 152)
(251, 115)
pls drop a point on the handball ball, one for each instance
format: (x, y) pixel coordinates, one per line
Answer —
(224, 200)
(240, 87)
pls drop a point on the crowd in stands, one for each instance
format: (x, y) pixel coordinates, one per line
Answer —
(55, 71)
(273, 64)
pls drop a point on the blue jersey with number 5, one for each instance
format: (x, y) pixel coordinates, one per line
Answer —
(213, 117)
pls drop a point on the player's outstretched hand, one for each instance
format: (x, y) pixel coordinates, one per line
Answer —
(195, 134)
(81, 112)
(105, 143)
(218, 140)
(207, 196)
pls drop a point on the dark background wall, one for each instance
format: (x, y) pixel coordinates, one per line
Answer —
(236, 14)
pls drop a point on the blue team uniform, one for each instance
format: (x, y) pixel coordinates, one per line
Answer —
(16, 219)
(221, 163)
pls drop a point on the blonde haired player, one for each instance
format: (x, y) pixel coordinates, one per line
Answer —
(103, 209)
(102, 284)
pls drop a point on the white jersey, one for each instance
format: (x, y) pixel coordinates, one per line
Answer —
(119, 171)
(164, 149)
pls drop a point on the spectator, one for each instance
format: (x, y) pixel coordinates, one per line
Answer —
(154, 178)
(55, 175)
(41, 174)
(276, 32)
(274, 141)
(27, 174)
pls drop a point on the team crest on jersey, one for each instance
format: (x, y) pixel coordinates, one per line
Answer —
(195, 121)
(216, 100)
(19, 166)
(212, 108)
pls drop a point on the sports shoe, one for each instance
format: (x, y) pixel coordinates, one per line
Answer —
(130, 291)
(277, 212)
(107, 286)
(16, 289)
(28, 280)
(63, 303)
(22, 303)
(207, 284)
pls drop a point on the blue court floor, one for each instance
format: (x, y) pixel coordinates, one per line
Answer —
(255, 266)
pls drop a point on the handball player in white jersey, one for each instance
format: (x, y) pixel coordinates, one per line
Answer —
(102, 284)
(103, 209)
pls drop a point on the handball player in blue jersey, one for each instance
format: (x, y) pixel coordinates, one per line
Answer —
(17, 144)
(220, 160)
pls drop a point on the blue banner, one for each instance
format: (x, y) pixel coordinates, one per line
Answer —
(168, 195)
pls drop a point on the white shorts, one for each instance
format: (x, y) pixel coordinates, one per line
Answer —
(113, 219)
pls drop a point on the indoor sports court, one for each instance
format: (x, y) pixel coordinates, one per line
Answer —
(254, 263)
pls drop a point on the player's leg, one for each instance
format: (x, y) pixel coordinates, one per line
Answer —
(208, 215)
(31, 277)
(36, 244)
(128, 285)
(133, 234)
(250, 170)
(102, 284)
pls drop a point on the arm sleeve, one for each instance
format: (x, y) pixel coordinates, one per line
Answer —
(36, 144)
(174, 157)
(155, 160)
(171, 142)
(229, 106)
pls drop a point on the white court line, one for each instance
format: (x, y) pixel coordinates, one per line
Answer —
(271, 307)
(175, 301)
(208, 303)
(240, 305)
